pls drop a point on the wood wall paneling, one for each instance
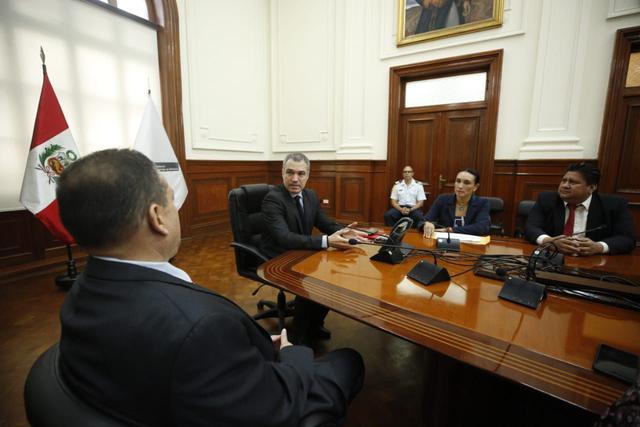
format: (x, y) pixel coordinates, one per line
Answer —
(353, 202)
(16, 239)
(380, 192)
(324, 186)
(619, 153)
(355, 190)
(630, 154)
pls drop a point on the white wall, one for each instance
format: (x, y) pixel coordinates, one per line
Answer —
(99, 64)
(264, 78)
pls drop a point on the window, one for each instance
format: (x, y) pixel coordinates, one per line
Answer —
(138, 10)
(446, 90)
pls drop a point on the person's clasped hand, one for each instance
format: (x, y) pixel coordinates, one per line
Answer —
(281, 341)
(428, 230)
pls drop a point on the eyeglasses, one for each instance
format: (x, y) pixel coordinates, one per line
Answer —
(407, 171)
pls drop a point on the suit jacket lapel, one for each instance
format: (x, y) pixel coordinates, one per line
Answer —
(595, 217)
(293, 209)
(306, 220)
(471, 209)
(451, 207)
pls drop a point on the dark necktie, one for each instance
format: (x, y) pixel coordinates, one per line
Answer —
(298, 200)
(568, 226)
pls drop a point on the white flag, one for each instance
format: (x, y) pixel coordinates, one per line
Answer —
(152, 141)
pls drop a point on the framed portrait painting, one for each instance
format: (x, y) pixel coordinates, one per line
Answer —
(420, 20)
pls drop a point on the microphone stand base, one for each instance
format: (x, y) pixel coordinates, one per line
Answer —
(65, 282)
(523, 292)
(393, 255)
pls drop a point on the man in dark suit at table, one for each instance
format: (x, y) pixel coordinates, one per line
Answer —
(575, 208)
(290, 212)
(144, 344)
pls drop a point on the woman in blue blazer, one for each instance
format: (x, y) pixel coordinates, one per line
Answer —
(461, 212)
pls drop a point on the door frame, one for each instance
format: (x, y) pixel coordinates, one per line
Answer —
(489, 62)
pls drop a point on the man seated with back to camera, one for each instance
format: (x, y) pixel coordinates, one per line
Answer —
(290, 213)
(407, 198)
(577, 207)
(141, 342)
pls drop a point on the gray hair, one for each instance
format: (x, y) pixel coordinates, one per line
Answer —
(296, 157)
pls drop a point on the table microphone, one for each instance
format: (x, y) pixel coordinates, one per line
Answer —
(354, 242)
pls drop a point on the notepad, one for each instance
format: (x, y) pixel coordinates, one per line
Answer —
(464, 238)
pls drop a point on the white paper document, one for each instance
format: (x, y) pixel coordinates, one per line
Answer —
(470, 238)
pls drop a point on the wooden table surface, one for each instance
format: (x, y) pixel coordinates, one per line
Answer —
(549, 349)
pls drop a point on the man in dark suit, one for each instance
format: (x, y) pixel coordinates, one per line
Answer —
(290, 212)
(575, 208)
(144, 344)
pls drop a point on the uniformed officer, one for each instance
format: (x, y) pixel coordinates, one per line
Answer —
(407, 198)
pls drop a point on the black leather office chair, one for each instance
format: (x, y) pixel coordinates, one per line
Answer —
(524, 208)
(496, 206)
(50, 403)
(247, 225)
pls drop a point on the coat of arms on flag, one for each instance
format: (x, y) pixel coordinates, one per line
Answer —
(53, 159)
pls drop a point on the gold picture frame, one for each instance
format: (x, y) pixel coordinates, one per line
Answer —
(421, 20)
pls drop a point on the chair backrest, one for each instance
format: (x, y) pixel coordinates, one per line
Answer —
(496, 204)
(524, 208)
(247, 224)
(50, 403)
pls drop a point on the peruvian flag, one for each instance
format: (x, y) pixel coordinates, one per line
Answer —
(52, 150)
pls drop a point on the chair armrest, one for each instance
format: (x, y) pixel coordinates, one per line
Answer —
(252, 250)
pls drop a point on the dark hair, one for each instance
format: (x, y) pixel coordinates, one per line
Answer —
(296, 157)
(589, 172)
(103, 197)
(475, 173)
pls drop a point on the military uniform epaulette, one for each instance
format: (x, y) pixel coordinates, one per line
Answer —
(398, 182)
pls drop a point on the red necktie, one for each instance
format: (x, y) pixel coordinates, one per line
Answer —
(568, 226)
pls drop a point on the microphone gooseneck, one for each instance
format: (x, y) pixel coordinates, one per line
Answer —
(502, 271)
(533, 260)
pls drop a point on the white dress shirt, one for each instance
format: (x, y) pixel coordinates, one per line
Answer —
(408, 195)
(164, 267)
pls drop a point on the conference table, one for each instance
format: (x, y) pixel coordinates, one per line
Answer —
(549, 349)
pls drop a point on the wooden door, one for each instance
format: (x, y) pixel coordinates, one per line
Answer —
(438, 145)
(439, 141)
(619, 155)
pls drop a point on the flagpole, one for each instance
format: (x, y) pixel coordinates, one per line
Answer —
(65, 282)
(42, 57)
